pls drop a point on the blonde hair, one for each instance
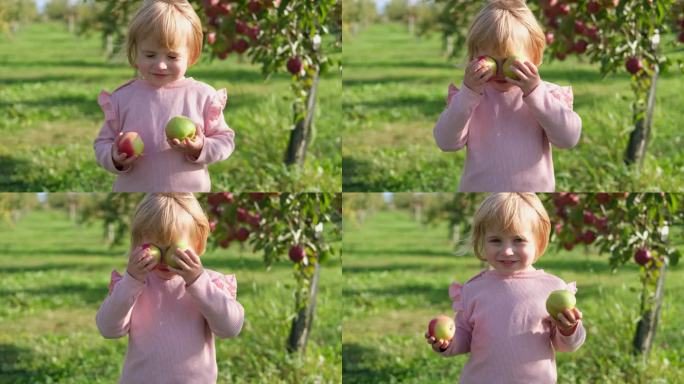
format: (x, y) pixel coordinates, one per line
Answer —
(511, 213)
(172, 22)
(164, 218)
(501, 25)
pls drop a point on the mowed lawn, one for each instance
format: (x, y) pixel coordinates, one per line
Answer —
(54, 277)
(395, 88)
(397, 274)
(49, 83)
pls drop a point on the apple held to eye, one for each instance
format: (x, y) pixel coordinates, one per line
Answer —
(154, 251)
(171, 251)
(131, 144)
(181, 128)
(488, 62)
(442, 327)
(508, 66)
(558, 301)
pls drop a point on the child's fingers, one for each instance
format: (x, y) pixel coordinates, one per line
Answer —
(531, 67)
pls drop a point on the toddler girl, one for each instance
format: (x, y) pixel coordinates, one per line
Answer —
(507, 124)
(164, 39)
(501, 316)
(170, 314)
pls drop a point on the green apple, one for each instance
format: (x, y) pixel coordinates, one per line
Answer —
(559, 301)
(154, 251)
(488, 62)
(181, 128)
(507, 70)
(131, 144)
(168, 255)
(442, 327)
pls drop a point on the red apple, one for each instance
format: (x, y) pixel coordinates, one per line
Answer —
(589, 237)
(240, 27)
(634, 65)
(254, 6)
(603, 198)
(131, 144)
(241, 215)
(242, 234)
(588, 217)
(442, 327)
(296, 253)
(642, 256)
(581, 46)
(593, 7)
(680, 38)
(240, 46)
(550, 38)
(211, 38)
(294, 65)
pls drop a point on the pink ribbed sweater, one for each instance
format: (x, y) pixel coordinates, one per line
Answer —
(508, 136)
(502, 321)
(171, 327)
(144, 108)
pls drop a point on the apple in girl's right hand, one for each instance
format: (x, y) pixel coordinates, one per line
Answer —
(508, 65)
(488, 62)
(442, 327)
(180, 128)
(131, 144)
(153, 251)
(558, 301)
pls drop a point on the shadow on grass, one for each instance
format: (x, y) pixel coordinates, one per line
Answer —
(35, 80)
(65, 63)
(22, 298)
(362, 365)
(396, 80)
(354, 172)
(10, 357)
(418, 65)
(10, 166)
(87, 106)
(416, 252)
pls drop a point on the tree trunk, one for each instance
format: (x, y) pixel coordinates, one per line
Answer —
(301, 324)
(301, 135)
(650, 313)
(640, 136)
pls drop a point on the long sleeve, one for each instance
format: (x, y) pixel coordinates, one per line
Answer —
(219, 140)
(113, 317)
(568, 343)
(216, 296)
(108, 133)
(552, 108)
(451, 130)
(461, 342)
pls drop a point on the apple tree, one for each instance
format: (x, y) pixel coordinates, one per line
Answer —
(618, 34)
(630, 227)
(301, 226)
(279, 34)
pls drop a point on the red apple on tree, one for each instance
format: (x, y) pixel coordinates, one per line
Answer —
(131, 144)
(296, 253)
(442, 327)
(242, 234)
(634, 65)
(642, 256)
(294, 65)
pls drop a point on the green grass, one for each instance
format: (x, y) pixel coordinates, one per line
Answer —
(49, 82)
(54, 277)
(395, 87)
(397, 273)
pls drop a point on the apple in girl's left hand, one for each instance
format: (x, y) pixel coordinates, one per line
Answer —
(168, 255)
(558, 301)
(180, 128)
(508, 64)
(442, 327)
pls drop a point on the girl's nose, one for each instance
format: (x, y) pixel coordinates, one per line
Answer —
(162, 65)
(508, 251)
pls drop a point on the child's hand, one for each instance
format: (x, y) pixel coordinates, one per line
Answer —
(437, 345)
(189, 147)
(476, 75)
(567, 321)
(190, 266)
(121, 160)
(528, 74)
(140, 262)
